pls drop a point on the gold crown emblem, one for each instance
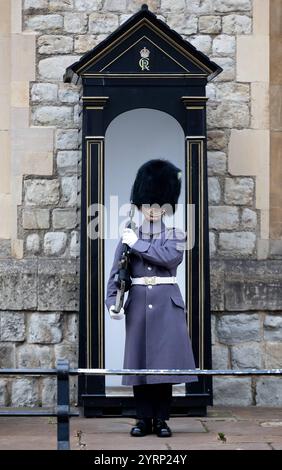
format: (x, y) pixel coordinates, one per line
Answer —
(145, 52)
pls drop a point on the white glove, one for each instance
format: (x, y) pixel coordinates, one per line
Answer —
(129, 237)
(116, 316)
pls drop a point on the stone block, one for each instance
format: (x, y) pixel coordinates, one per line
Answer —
(249, 218)
(228, 66)
(35, 4)
(44, 328)
(75, 22)
(71, 327)
(183, 23)
(67, 161)
(217, 285)
(102, 22)
(224, 6)
(273, 354)
(36, 219)
(273, 327)
(216, 163)
(247, 356)
(237, 243)
(67, 350)
(33, 243)
(201, 7)
(68, 94)
(4, 396)
(7, 357)
(69, 190)
(25, 392)
(248, 294)
(202, 42)
(220, 357)
(217, 140)
(67, 139)
(12, 326)
(83, 43)
(233, 91)
(224, 45)
(20, 273)
(57, 285)
(213, 329)
(53, 116)
(64, 218)
(87, 5)
(53, 68)
(238, 328)
(269, 391)
(41, 192)
(210, 24)
(232, 391)
(214, 190)
(55, 44)
(239, 191)
(35, 356)
(54, 243)
(223, 217)
(236, 24)
(230, 114)
(212, 243)
(49, 391)
(74, 245)
(44, 93)
(44, 22)
(57, 5)
(120, 5)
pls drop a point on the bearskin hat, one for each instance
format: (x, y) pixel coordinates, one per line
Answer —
(158, 181)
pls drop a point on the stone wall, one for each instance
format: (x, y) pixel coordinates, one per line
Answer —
(39, 290)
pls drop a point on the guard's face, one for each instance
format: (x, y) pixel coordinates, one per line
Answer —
(152, 213)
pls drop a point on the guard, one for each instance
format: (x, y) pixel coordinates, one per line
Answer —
(155, 320)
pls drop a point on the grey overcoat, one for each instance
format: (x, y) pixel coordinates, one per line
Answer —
(156, 335)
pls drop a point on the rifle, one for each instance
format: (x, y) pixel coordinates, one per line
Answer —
(122, 278)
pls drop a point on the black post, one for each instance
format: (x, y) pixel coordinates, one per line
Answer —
(63, 405)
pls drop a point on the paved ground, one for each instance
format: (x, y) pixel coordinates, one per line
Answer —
(239, 428)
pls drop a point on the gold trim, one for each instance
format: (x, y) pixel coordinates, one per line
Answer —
(189, 137)
(100, 137)
(189, 229)
(95, 98)
(201, 251)
(100, 155)
(201, 290)
(157, 31)
(142, 75)
(138, 40)
(95, 107)
(196, 98)
(88, 264)
(195, 107)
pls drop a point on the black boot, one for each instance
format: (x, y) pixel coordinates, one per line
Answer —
(161, 428)
(142, 427)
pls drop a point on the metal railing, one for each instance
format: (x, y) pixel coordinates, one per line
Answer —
(63, 372)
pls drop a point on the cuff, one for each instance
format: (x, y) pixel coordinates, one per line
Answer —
(110, 301)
